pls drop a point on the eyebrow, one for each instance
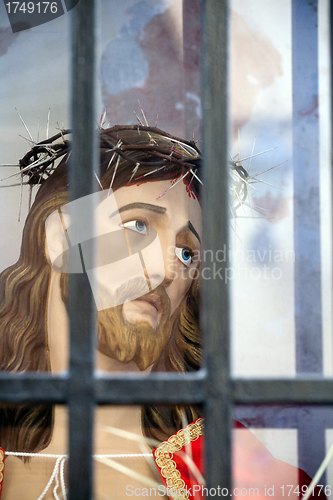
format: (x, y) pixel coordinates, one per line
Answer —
(145, 206)
(191, 228)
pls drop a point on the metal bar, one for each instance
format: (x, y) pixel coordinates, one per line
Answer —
(35, 387)
(81, 308)
(169, 388)
(308, 304)
(215, 303)
(310, 391)
(308, 322)
(191, 55)
(157, 388)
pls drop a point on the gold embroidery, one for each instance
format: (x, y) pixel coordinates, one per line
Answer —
(164, 455)
(2, 464)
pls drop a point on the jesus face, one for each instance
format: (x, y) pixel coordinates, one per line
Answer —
(138, 330)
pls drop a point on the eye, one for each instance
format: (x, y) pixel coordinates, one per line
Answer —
(137, 226)
(184, 255)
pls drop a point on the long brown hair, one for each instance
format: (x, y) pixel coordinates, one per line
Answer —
(24, 286)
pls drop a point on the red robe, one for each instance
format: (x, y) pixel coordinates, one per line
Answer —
(256, 473)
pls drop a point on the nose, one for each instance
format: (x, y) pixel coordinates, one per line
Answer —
(169, 259)
(159, 260)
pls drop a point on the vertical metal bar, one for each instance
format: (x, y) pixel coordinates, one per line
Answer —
(82, 316)
(216, 223)
(308, 308)
(308, 321)
(191, 58)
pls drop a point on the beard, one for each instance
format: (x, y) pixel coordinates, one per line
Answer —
(127, 341)
(135, 340)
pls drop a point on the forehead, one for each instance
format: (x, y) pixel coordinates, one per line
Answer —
(180, 206)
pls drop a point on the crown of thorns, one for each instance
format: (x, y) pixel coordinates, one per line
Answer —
(41, 161)
(159, 151)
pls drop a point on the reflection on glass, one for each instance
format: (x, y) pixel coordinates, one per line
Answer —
(281, 290)
(287, 441)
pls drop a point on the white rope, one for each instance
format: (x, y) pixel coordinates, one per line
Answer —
(123, 455)
(55, 494)
(54, 474)
(60, 471)
(47, 455)
(62, 478)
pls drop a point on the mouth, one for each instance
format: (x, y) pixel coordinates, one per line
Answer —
(145, 308)
(150, 302)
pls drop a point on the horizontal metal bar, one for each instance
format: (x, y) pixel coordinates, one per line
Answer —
(157, 388)
(305, 390)
(33, 387)
(166, 388)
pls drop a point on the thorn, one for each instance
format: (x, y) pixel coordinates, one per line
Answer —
(257, 154)
(135, 169)
(14, 185)
(173, 185)
(99, 182)
(48, 123)
(257, 209)
(103, 115)
(195, 175)
(24, 125)
(26, 138)
(271, 168)
(38, 130)
(149, 173)
(268, 184)
(137, 117)
(144, 116)
(119, 143)
(248, 170)
(114, 175)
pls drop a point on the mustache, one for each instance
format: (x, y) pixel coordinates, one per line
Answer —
(125, 341)
(136, 288)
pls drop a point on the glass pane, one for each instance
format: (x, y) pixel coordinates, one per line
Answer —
(149, 75)
(149, 64)
(284, 445)
(280, 256)
(34, 107)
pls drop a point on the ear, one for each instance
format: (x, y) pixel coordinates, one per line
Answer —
(56, 242)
